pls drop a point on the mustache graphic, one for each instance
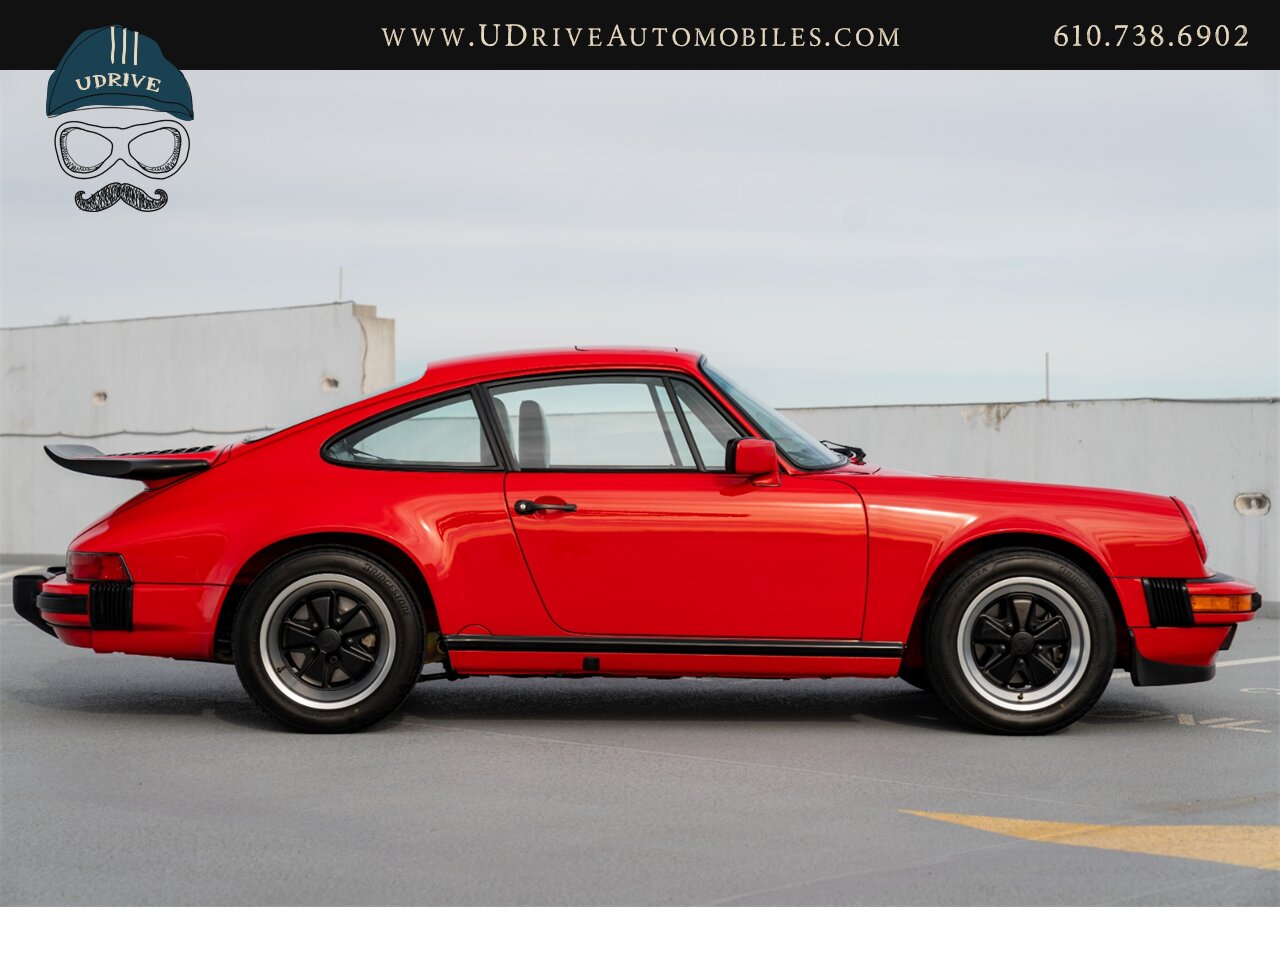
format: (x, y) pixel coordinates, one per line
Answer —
(113, 193)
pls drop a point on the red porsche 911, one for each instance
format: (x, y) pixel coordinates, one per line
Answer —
(624, 513)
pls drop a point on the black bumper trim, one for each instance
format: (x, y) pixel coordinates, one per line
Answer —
(74, 604)
(1168, 602)
(1216, 578)
(1231, 635)
(26, 592)
(667, 645)
(111, 605)
(1152, 673)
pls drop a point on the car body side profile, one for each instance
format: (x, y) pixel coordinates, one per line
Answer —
(626, 513)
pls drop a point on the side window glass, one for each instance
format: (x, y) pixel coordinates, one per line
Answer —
(612, 423)
(711, 431)
(444, 434)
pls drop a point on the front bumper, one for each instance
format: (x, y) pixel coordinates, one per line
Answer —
(1172, 642)
(155, 619)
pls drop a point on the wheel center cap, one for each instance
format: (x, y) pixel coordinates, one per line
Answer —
(329, 640)
(1021, 644)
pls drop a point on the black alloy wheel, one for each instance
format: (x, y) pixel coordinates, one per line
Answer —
(1020, 641)
(329, 640)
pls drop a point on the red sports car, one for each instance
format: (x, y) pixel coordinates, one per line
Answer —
(625, 513)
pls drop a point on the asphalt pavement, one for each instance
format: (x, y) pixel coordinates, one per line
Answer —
(130, 780)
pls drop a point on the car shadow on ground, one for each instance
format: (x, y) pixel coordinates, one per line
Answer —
(191, 690)
(208, 690)
(607, 700)
(79, 691)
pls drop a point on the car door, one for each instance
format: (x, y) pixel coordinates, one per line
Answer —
(631, 526)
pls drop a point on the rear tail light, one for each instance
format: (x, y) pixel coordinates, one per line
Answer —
(1189, 514)
(1236, 603)
(96, 566)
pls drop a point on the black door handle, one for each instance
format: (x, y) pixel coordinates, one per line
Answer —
(526, 507)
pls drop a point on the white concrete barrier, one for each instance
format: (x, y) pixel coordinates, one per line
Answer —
(159, 383)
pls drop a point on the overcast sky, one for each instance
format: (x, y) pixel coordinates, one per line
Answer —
(827, 237)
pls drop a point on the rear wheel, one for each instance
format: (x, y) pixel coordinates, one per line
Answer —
(1020, 641)
(329, 641)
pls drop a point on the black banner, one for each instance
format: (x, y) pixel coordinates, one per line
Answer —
(786, 36)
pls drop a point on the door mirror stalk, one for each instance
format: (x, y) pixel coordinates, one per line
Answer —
(754, 458)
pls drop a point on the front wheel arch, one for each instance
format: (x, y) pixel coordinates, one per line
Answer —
(385, 551)
(914, 655)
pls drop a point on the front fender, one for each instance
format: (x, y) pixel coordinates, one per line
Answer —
(916, 524)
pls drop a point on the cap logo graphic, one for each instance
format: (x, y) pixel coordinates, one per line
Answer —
(106, 71)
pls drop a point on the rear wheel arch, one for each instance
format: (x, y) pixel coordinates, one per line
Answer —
(383, 550)
(914, 654)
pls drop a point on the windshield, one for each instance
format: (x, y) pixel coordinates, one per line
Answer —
(796, 445)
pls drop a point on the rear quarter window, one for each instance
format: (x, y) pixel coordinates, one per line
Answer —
(442, 434)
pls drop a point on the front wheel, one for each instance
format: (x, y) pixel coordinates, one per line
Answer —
(1020, 641)
(329, 641)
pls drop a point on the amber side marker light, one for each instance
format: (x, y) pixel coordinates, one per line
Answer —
(96, 566)
(1236, 603)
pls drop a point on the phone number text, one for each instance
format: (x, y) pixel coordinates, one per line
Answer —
(1151, 35)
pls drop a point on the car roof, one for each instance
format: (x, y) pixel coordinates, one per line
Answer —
(493, 366)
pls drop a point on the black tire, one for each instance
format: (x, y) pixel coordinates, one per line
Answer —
(918, 677)
(1020, 642)
(329, 640)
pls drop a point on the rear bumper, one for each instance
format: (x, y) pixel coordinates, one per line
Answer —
(152, 619)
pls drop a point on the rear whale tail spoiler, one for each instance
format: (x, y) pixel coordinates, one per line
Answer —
(151, 467)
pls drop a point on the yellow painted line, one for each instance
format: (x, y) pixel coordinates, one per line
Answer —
(1241, 846)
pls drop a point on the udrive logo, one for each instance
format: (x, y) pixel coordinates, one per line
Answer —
(115, 76)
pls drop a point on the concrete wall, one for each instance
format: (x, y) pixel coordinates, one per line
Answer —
(164, 382)
(1204, 451)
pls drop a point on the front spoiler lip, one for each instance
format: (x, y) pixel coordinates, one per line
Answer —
(1145, 672)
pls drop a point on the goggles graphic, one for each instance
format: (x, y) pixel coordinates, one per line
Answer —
(156, 149)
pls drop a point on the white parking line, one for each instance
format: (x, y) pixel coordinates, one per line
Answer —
(13, 573)
(1241, 663)
(1221, 663)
